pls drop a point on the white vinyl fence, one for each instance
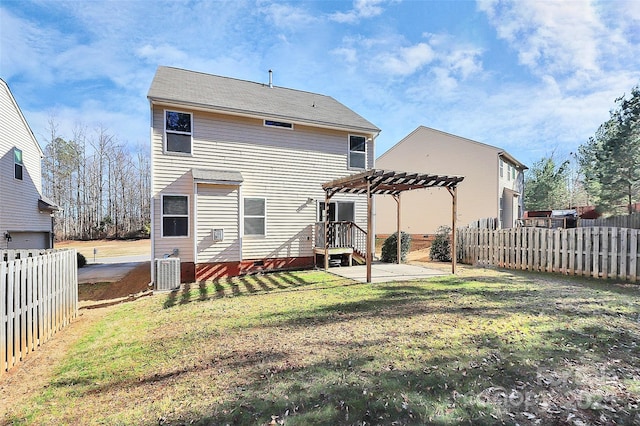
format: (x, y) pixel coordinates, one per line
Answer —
(38, 297)
(597, 252)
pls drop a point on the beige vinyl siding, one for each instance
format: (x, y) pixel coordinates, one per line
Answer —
(431, 151)
(182, 185)
(287, 167)
(19, 198)
(218, 208)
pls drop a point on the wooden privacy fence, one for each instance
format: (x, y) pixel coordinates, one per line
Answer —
(38, 297)
(623, 221)
(597, 252)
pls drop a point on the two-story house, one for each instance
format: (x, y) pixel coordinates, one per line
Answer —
(25, 215)
(493, 185)
(238, 167)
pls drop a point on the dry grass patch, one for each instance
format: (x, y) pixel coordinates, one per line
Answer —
(484, 347)
(108, 248)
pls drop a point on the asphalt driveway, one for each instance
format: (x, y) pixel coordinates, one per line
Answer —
(109, 269)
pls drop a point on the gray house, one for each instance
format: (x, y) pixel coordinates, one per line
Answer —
(25, 215)
(237, 169)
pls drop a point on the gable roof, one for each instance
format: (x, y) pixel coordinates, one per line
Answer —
(5, 86)
(246, 98)
(499, 151)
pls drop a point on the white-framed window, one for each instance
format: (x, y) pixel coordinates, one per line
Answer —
(508, 171)
(18, 167)
(357, 152)
(255, 216)
(175, 215)
(279, 124)
(515, 172)
(501, 168)
(178, 132)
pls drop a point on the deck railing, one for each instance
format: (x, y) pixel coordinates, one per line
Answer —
(342, 235)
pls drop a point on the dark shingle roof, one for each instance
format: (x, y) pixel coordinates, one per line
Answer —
(224, 94)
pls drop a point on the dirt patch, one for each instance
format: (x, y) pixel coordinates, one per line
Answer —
(108, 248)
(135, 282)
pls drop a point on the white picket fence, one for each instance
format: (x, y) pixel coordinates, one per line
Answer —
(600, 252)
(38, 297)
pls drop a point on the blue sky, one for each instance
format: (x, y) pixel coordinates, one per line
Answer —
(533, 77)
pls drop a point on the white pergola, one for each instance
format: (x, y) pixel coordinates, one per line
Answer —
(386, 182)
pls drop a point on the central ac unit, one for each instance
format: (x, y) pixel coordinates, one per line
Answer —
(167, 274)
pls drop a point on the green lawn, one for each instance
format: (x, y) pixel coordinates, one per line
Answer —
(484, 347)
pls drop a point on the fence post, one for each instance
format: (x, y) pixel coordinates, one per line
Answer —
(624, 253)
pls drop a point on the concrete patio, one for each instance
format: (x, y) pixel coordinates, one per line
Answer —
(385, 272)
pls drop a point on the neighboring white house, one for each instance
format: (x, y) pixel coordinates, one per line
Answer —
(237, 169)
(25, 216)
(493, 185)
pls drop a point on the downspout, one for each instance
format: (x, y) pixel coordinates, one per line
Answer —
(152, 200)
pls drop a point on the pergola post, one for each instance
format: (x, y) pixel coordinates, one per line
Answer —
(370, 237)
(326, 230)
(399, 239)
(454, 211)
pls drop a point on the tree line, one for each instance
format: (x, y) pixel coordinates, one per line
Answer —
(102, 186)
(604, 172)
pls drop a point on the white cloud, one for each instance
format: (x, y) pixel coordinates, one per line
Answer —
(27, 48)
(161, 54)
(406, 60)
(286, 16)
(362, 9)
(559, 37)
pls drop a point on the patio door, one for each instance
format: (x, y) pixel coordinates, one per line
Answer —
(340, 234)
(339, 211)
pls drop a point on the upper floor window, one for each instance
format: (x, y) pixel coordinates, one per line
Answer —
(177, 130)
(18, 166)
(255, 216)
(357, 152)
(515, 173)
(508, 171)
(501, 167)
(175, 216)
(281, 124)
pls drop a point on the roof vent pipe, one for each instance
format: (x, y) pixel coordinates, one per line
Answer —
(270, 79)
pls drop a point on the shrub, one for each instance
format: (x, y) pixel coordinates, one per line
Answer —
(441, 248)
(390, 247)
(81, 260)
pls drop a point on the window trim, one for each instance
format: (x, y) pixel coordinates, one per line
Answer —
(166, 140)
(245, 216)
(162, 216)
(16, 164)
(501, 167)
(349, 151)
(287, 125)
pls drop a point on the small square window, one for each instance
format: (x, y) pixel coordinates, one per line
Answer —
(175, 216)
(18, 165)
